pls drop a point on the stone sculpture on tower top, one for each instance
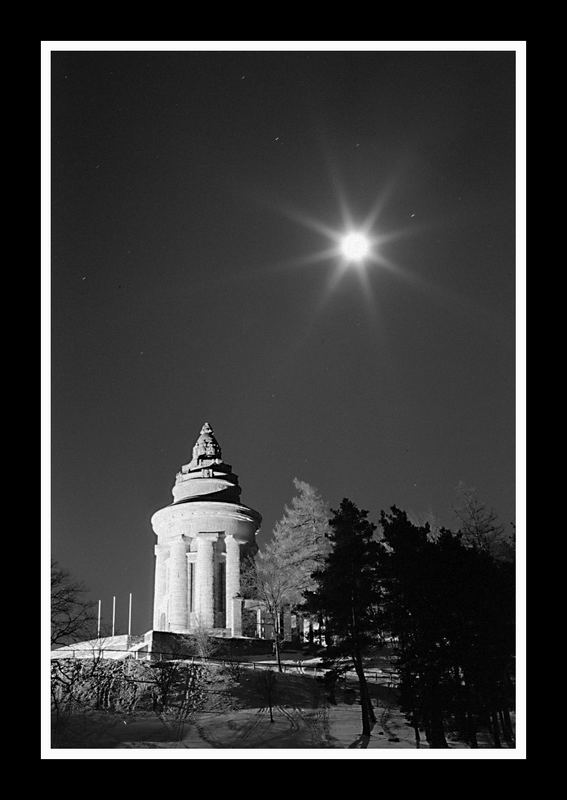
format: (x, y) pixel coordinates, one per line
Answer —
(206, 447)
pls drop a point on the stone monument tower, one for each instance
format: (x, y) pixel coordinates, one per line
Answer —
(201, 538)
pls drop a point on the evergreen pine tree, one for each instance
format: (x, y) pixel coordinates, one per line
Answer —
(348, 594)
(450, 606)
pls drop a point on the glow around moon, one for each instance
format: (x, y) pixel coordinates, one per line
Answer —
(355, 247)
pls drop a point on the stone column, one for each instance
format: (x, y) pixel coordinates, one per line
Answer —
(204, 575)
(161, 553)
(232, 577)
(236, 624)
(178, 586)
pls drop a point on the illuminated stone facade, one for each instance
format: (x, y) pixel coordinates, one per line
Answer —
(201, 538)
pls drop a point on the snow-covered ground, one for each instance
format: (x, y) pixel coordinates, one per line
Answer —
(302, 718)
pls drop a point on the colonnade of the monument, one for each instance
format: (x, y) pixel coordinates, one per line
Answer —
(180, 606)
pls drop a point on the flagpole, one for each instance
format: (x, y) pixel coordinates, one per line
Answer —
(113, 612)
(130, 616)
(98, 623)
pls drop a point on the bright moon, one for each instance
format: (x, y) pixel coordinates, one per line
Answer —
(355, 246)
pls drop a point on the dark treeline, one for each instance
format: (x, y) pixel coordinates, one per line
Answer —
(445, 602)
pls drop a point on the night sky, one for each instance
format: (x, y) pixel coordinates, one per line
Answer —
(191, 193)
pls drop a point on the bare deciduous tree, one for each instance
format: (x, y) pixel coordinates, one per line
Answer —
(205, 645)
(480, 527)
(267, 687)
(72, 615)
